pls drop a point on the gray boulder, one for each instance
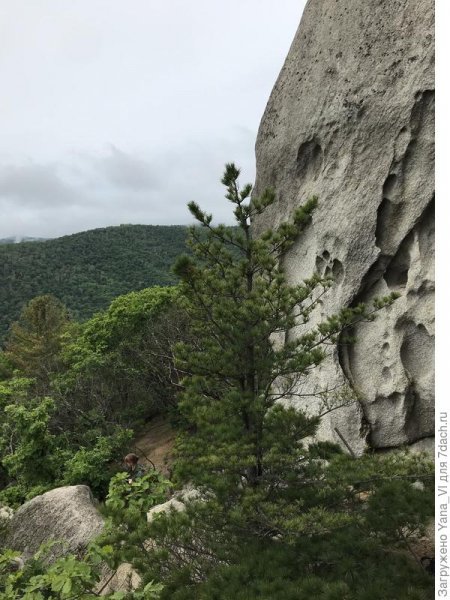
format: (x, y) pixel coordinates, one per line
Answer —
(351, 120)
(65, 515)
(123, 579)
(177, 503)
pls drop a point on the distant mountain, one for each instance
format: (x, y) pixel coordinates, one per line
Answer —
(87, 270)
(18, 240)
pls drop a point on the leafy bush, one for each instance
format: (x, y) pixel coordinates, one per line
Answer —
(95, 466)
(68, 578)
(141, 494)
(101, 379)
(118, 365)
(35, 457)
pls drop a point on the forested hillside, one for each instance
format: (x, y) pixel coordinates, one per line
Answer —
(87, 270)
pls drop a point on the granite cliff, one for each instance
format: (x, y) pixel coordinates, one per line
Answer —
(351, 120)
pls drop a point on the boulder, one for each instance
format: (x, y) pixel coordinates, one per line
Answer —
(177, 503)
(351, 120)
(123, 579)
(65, 515)
(166, 507)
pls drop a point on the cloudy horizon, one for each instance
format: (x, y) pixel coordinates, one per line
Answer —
(122, 113)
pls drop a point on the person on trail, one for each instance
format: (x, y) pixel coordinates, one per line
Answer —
(134, 469)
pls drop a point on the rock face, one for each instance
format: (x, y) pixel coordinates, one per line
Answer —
(66, 515)
(351, 120)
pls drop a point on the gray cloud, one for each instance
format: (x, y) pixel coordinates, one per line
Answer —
(126, 171)
(113, 187)
(33, 185)
(117, 112)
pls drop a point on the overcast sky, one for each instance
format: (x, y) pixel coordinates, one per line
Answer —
(117, 111)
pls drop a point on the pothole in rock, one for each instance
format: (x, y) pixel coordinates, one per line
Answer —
(309, 160)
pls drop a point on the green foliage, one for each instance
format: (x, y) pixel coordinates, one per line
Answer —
(238, 300)
(36, 456)
(276, 516)
(86, 387)
(279, 518)
(31, 458)
(28, 448)
(68, 578)
(138, 495)
(269, 571)
(120, 360)
(125, 536)
(125, 317)
(95, 465)
(87, 270)
(79, 578)
(6, 368)
(346, 528)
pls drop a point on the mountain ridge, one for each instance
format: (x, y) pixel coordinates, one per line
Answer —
(16, 239)
(86, 270)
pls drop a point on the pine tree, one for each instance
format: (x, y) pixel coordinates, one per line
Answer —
(239, 302)
(34, 342)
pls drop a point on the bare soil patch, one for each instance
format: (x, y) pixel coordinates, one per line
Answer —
(155, 443)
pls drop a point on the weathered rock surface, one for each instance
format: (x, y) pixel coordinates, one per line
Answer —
(166, 507)
(351, 119)
(177, 503)
(123, 579)
(66, 515)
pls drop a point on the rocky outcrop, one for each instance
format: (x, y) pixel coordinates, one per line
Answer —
(65, 515)
(351, 120)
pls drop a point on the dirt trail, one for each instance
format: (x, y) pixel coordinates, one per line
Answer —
(155, 442)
